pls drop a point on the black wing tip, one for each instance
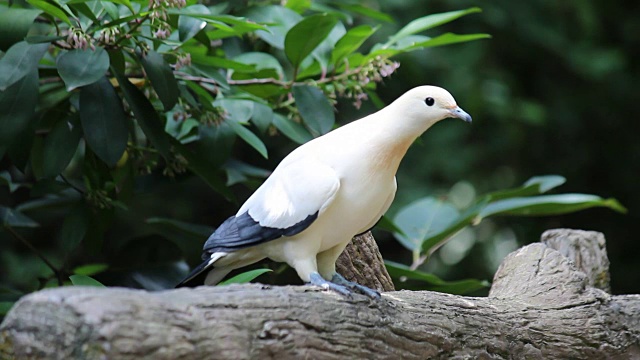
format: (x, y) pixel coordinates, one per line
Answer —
(196, 276)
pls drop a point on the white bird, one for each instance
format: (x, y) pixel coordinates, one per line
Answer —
(325, 192)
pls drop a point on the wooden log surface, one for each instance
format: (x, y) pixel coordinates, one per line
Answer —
(541, 306)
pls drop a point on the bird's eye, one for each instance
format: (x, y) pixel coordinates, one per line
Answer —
(429, 101)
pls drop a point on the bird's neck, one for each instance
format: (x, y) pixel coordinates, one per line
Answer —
(392, 139)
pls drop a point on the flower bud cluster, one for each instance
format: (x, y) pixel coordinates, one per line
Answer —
(108, 36)
(78, 39)
(353, 86)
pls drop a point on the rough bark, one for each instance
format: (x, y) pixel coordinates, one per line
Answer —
(541, 306)
(362, 262)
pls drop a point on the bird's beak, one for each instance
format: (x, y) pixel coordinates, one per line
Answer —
(457, 112)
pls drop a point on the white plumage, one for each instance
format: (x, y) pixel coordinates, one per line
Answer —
(325, 192)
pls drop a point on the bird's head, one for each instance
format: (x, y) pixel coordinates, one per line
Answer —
(425, 105)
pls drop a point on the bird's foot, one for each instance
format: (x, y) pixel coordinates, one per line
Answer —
(317, 280)
(340, 280)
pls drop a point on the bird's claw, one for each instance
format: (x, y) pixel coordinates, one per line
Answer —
(340, 280)
(317, 280)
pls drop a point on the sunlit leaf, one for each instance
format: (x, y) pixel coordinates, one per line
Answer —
(466, 218)
(351, 41)
(428, 22)
(534, 186)
(90, 269)
(83, 280)
(444, 39)
(366, 11)
(315, 108)
(189, 26)
(549, 205)
(104, 122)
(422, 219)
(306, 35)
(50, 9)
(245, 277)
(82, 67)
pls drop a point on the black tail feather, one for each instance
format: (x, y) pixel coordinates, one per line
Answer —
(197, 275)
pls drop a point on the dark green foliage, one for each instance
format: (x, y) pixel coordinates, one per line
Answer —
(125, 123)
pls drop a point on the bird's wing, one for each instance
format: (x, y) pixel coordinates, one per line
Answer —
(288, 202)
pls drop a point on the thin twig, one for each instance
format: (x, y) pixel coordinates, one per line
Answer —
(37, 252)
(259, 81)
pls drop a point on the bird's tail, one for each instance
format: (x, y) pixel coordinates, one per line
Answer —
(196, 276)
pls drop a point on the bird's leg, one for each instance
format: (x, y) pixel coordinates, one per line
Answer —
(317, 280)
(340, 280)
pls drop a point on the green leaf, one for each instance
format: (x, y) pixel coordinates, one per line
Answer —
(291, 129)
(59, 146)
(83, 280)
(444, 39)
(219, 62)
(428, 22)
(366, 11)
(90, 269)
(203, 169)
(388, 225)
(82, 67)
(262, 116)
(162, 79)
(466, 218)
(422, 219)
(74, 228)
(18, 103)
(19, 60)
(15, 218)
(6, 179)
(245, 277)
(549, 205)
(249, 137)
(238, 110)
(5, 306)
(534, 186)
(146, 115)
(306, 35)
(280, 20)
(189, 26)
(315, 108)
(180, 229)
(15, 24)
(433, 282)
(351, 41)
(104, 122)
(261, 61)
(50, 9)
(298, 6)
(126, 3)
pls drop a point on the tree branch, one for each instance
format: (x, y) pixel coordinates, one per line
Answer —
(541, 307)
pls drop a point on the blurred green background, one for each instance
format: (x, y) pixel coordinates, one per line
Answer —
(552, 92)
